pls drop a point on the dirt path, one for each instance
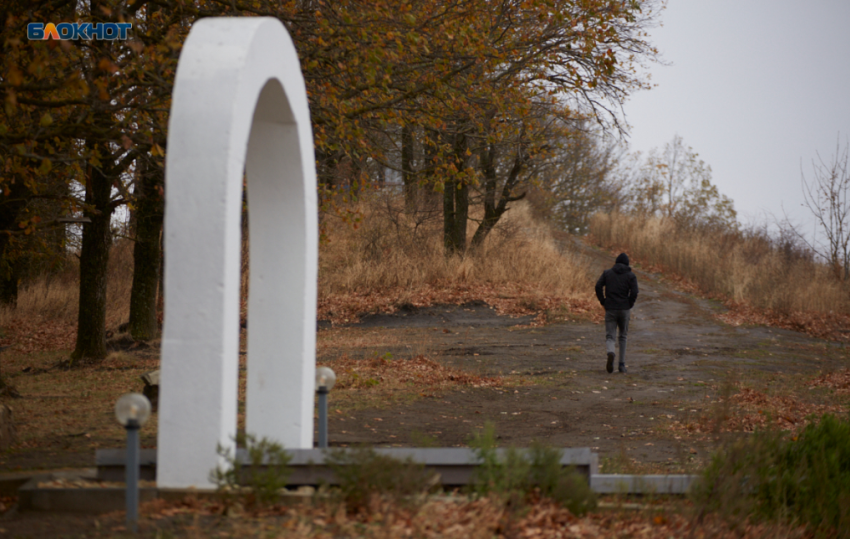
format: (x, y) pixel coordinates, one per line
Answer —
(680, 358)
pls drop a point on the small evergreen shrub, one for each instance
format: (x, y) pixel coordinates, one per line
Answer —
(563, 485)
(517, 476)
(364, 474)
(265, 474)
(772, 476)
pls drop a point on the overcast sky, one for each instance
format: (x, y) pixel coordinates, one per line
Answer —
(755, 87)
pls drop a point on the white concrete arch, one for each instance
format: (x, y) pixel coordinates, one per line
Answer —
(239, 103)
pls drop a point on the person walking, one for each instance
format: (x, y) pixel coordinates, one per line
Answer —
(617, 291)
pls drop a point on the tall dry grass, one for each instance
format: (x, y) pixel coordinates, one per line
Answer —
(388, 260)
(55, 297)
(393, 258)
(745, 268)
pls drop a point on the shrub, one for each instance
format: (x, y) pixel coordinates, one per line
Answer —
(517, 476)
(363, 475)
(563, 485)
(770, 476)
(265, 474)
(507, 477)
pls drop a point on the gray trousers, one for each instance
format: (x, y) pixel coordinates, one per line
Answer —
(615, 320)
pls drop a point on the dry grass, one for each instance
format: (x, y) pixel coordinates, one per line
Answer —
(393, 259)
(379, 382)
(67, 411)
(761, 282)
(46, 314)
(387, 260)
(418, 372)
(55, 297)
(351, 338)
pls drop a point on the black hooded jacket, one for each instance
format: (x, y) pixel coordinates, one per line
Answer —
(620, 284)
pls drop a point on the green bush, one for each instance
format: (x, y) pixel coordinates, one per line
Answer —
(364, 474)
(771, 476)
(516, 476)
(563, 485)
(265, 474)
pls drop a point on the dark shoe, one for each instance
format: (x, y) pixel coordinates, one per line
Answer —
(623, 368)
(610, 365)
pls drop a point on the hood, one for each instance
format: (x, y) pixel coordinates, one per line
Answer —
(622, 264)
(621, 268)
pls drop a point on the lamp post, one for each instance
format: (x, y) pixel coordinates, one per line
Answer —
(325, 380)
(132, 411)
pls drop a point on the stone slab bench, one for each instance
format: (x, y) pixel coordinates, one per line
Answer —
(455, 465)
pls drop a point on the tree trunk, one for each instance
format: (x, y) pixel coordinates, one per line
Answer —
(326, 164)
(456, 202)
(408, 178)
(493, 210)
(9, 287)
(160, 297)
(10, 208)
(491, 214)
(146, 254)
(449, 188)
(94, 257)
(455, 215)
(461, 216)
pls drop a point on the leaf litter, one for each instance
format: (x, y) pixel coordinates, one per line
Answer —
(441, 516)
(750, 409)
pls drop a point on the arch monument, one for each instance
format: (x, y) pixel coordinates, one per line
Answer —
(239, 105)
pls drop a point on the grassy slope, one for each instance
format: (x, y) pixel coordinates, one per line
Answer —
(760, 282)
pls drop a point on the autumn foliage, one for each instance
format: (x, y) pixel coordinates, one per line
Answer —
(477, 87)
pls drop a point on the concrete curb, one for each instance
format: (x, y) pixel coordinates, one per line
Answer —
(11, 482)
(308, 467)
(641, 484)
(75, 500)
(107, 499)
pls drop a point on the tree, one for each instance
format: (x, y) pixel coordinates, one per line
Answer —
(501, 169)
(36, 160)
(147, 254)
(827, 197)
(542, 84)
(457, 79)
(579, 176)
(85, 111)
(117, 111)
(371, 67)
(677, 184)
